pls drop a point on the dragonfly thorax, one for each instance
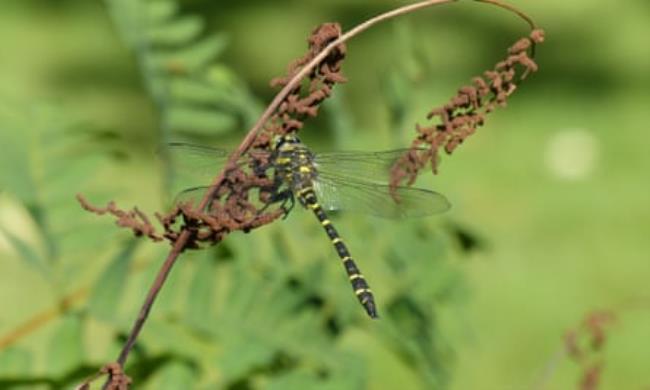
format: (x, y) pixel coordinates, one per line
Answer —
(294, 164)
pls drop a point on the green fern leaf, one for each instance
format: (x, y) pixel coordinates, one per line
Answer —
(191, 58)
(176, 32)
(196, 120)
(195, 91)
(66, 351)
(15, 362)
(159, 11)
(28, 253)
(172, 376)
(105, 298)
(199, 307)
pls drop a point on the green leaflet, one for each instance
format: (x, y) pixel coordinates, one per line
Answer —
(200, 305)
(167, 337)
(15, 175)
(191, 58)
(241, 359)
(303, 379)
(172, 376)
(14, 362)
(159, 11)
(108, 291)
(66, 350)
(199, 120)
(215, 92)
(176, 32)
(27, 253)
(128, 15)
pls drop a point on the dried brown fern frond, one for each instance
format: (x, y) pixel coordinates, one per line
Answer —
(459, 118)
(301, 104)
(584, 343)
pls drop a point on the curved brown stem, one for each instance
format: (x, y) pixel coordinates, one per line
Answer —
(511, 8)
(178, 247)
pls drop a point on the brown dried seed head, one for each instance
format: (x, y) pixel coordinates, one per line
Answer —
(466, 111)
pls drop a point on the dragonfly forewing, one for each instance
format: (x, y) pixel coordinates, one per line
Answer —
(337, 193)
(346, 181)
(371, 166)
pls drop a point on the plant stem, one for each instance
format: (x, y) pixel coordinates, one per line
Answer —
(178, 247)
(510, 8)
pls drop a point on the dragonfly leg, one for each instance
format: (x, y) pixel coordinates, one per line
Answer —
(282, 197)
(260, 169)
(286, 197)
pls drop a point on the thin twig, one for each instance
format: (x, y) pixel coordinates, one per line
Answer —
(549, 369)
(510, 8)
(151, 295)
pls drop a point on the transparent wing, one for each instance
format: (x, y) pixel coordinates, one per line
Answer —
(206, 161)
(182, 149)
(192, 166)
(351, 181)
(196, 162)
(195, 165)
(371, 166)
(336, 192)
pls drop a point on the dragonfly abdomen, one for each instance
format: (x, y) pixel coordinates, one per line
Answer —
(360, 287)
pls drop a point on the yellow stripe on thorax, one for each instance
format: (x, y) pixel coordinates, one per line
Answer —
(283, 160)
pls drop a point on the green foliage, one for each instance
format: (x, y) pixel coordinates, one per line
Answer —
(195, 96)
(271, 309)
(554, 247)
(14, 362)
(53, 248)
(65, 352)
(43, 161)
(107, 292)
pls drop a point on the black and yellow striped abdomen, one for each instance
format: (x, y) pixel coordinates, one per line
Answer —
(294, 167)
(307, 197)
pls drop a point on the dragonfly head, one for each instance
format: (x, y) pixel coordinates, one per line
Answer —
(286, 140)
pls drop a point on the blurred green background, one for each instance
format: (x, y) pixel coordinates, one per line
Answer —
(550, 215)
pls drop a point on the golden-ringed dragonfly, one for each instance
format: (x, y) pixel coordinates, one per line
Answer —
(323, 182)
